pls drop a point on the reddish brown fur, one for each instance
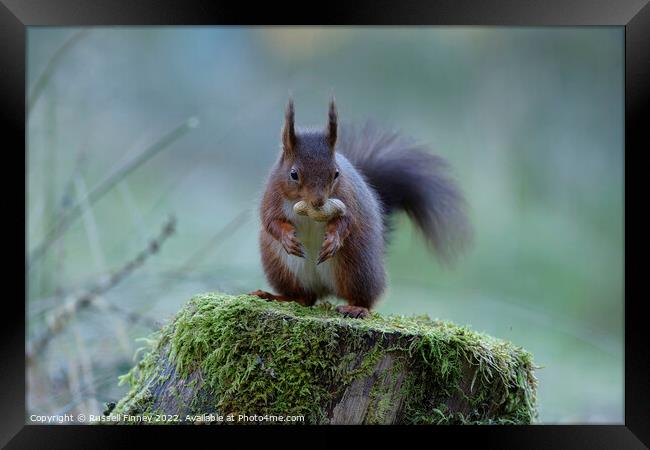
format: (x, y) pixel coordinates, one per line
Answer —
(345, 239)
(380, 173)
(344, 234)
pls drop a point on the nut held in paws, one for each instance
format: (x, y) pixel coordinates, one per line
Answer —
(332, 208)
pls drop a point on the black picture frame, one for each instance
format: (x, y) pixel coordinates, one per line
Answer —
(633, 15)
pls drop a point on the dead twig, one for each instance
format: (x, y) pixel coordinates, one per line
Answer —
(226, 231)
(62, 316)
(102, 189)
(131, 316)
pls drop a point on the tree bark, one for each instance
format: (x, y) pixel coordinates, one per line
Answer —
(239, 359)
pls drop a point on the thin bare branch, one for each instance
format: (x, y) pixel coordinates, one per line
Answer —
(62, 316)
(223, 233)
(102, 189)
(131, 316)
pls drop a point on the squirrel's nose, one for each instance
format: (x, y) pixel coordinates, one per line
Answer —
(319, 202)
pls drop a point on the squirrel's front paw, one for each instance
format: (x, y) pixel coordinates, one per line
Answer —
(292, 245)
(331, 245)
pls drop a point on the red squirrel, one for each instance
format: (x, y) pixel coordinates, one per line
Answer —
(375, 173)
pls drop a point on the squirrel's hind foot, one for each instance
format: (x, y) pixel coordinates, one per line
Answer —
(356, 312)
(263, 294)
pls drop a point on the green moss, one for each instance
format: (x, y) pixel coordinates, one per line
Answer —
(381, 398)
(259, 357)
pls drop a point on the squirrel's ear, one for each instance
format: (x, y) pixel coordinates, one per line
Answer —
(288, 130)
(332, 123)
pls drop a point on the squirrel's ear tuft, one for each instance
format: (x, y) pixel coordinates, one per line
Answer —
(332, 123)
(288, 130)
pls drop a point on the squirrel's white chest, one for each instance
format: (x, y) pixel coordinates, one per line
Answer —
(316, 278)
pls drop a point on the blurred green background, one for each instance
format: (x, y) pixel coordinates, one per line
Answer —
(531, 120)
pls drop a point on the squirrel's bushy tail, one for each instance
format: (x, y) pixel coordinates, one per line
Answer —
(407, 177)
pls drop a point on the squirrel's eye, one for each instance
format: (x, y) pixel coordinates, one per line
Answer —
(294, 175)
(336, 174)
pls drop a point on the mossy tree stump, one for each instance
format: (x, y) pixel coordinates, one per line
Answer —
(240, 355)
